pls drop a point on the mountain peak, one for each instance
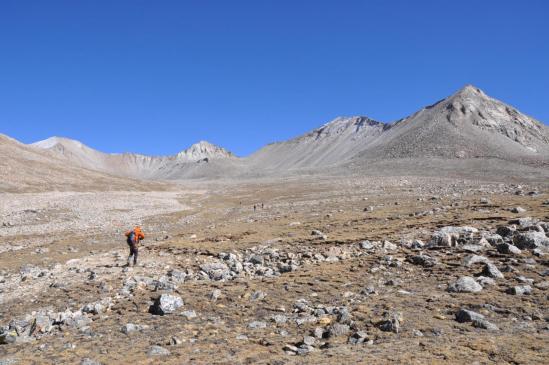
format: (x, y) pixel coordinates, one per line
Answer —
(202, 150)
(54, 141)
(470, 91)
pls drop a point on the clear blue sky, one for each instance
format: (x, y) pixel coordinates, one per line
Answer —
(156, 76)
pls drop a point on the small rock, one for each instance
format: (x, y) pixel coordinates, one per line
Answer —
(279, 319)
(366, 245)
(422, 260)
(518, 210)
(158, 351)
(88, 361)
(474, 259)
(257, 324)
(215, 294)
(389, 246)
(318, 233)
(358, 338)
(465, 284)
(291, 349)
(129, 328)
(309, 340)
(258, 295)
(189, 314)
(318, 332)
(484, 324)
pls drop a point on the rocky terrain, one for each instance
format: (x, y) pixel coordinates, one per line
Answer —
(325, 269)
(421, 241)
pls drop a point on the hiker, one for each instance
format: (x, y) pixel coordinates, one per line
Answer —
(134, 236)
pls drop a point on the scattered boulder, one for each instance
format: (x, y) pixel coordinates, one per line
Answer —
(366, 245)
(279, 319)
(485, 281)
(166, 304)
(519, 290)
(465, 315)
(506, 231)
(358, 337)
(451, 236)
(422, 260)
(189, 314)
(484, 324)
(389, 246)
(258, 295)
(319, 234)
(530, 240)
(475, 259)
(216, 271)
(490, 270)
(391, 322)
(8, 337)
(465, 284)
(98, 307)
(158, 351)
(88, 361)
(130, 327)
(257, 325)
(215, 294)
(508, 249)
(338, 329)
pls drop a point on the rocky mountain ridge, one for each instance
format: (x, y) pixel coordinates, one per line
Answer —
(466, 125)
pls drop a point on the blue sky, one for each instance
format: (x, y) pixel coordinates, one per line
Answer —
(156, 76)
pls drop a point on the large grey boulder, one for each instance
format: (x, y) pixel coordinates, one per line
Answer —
(530, 240)
(166, 304)
(490, 270)
(508, 249)
(465, 315)
(519, 290)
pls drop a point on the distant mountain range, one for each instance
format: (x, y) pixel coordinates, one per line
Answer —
(466, 125)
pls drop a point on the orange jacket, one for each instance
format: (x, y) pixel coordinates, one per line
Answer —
(139, 235)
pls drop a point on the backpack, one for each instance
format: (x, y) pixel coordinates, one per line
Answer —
(132, 238)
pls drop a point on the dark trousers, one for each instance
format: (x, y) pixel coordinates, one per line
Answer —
(133, 252)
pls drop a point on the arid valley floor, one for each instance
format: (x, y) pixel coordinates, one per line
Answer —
(325, 270)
